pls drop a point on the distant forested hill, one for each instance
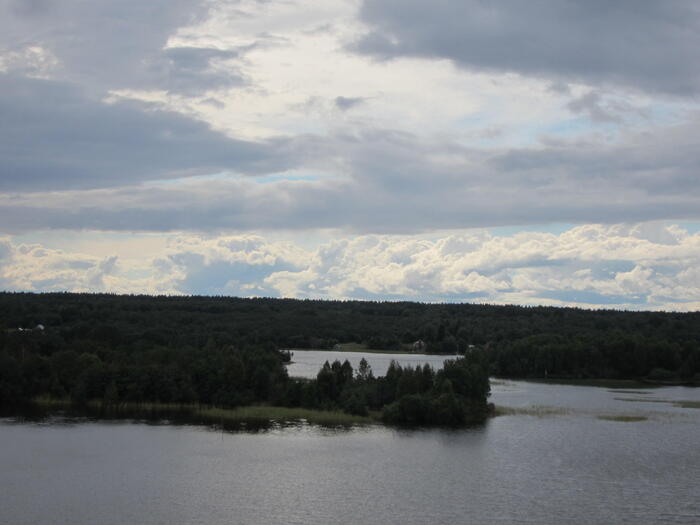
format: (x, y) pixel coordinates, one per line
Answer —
(157, 334)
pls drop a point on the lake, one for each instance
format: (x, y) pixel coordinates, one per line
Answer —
(306, 363)
(564, 454)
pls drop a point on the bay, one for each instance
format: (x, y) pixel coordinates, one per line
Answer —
(562, 454)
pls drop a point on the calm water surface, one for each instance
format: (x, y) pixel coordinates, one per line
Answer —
(555, 461)
(306, 363)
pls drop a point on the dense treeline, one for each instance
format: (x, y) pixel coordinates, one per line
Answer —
(231, 377)
(225, 351)
(613, 354)
(218, 352)
(454, 395)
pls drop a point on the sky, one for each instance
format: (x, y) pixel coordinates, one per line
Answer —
(539, 153)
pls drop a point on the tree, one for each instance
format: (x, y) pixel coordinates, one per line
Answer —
(364, 371)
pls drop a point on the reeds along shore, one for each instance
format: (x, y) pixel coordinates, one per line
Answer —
(210, 414)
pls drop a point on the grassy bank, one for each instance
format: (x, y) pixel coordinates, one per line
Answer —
(535, 410)
(604, 383)
(257, 414)
(679, 403)
(641, 383)
(549, 411)
(623, 419)
(284, 414)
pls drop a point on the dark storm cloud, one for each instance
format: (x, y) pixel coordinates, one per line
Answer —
(646, 45)
(53, 136)
(116, 45)
(397, 183)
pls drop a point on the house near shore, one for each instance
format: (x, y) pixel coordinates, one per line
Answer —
(419, 346)
(37, 328)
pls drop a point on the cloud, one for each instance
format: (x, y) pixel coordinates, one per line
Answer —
(346, 103)
(375, 181)
(590, 103)
(32, 61)
(33, 267)
(601, 109)
(5, 249)
(117, 45)
(642, 266)
(232, 265)
(54, 136)
(382, 158)
(649, 46)
(191, 70)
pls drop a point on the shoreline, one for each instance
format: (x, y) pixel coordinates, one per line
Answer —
(364, 351)
(239, 417)
(253, 417)
(601, 382)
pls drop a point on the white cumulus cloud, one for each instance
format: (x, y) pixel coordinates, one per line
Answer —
(641, 266)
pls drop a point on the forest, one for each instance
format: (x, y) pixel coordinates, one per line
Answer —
(220, 352)
(229, 352)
